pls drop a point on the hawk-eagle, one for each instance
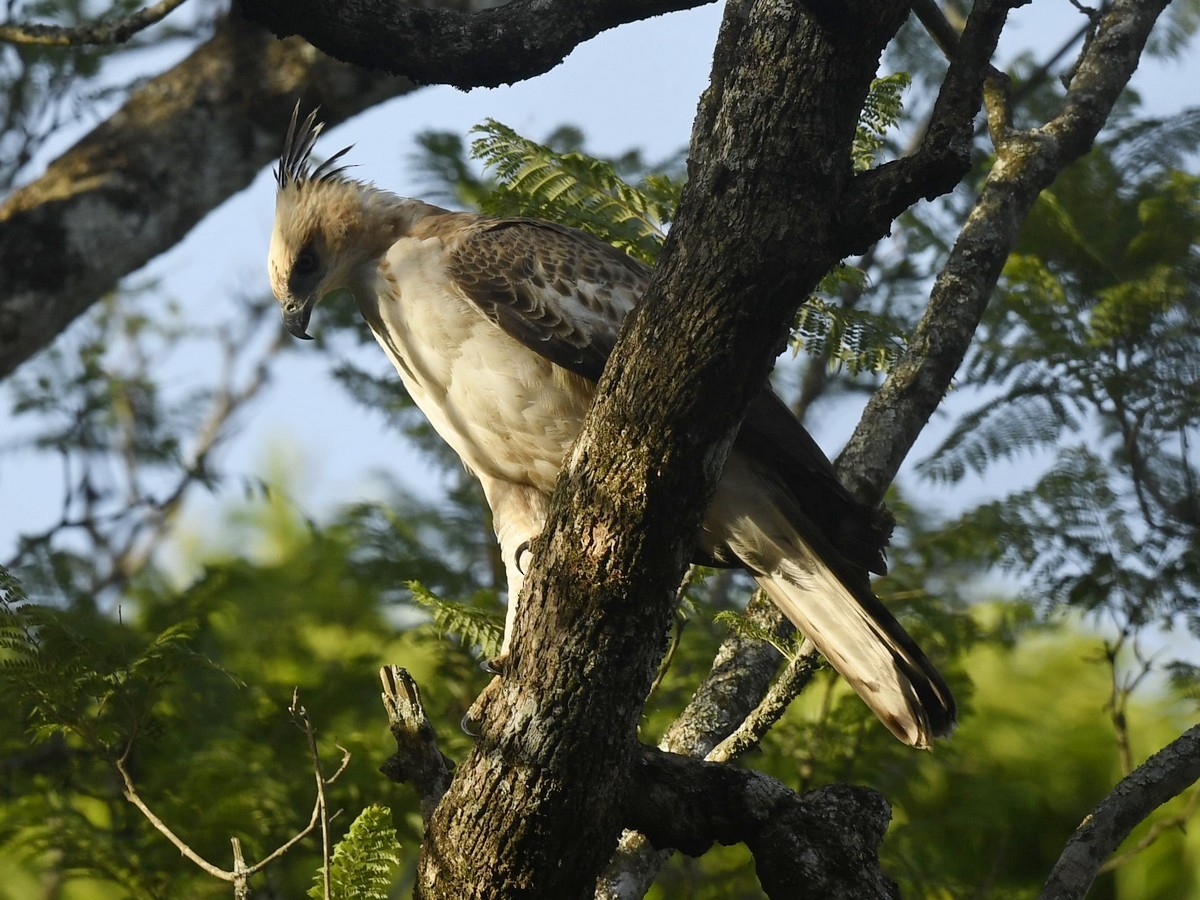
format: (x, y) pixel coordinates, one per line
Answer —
(500, 328)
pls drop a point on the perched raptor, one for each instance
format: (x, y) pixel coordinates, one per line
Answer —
(500, 329)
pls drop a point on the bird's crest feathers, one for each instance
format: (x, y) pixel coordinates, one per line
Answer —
(294, 163)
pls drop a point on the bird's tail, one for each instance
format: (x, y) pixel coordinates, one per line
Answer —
(830, 601)
(870, 649)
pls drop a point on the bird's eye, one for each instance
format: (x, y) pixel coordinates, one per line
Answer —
(306, 263)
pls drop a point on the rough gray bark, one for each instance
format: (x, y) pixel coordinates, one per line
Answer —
(827, 841)
(824, 844)
(495, 46)
(1166, 774)
(1027, 162)
(757, 228)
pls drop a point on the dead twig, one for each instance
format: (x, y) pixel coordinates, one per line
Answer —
(240, 874)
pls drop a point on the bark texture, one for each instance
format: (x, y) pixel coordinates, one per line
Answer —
(1028, 163)
(488, 48)
(823, 845)
(1166, 774)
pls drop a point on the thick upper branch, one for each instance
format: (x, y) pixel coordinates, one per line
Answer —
(133, 187)
(486, 48)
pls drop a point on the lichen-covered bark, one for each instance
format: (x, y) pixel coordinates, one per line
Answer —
(134, 186)
(1166, 774)
(822, 845)
(1027, 162)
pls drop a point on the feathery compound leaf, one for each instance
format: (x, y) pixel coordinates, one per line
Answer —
(475, 627)
(854, 340)
(1023, 420)
(364, 861)
(880, 111)
(575, 189)
(77, 672)
(743, 627)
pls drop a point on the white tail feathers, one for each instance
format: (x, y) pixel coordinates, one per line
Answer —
(758, 525)
(892, 676)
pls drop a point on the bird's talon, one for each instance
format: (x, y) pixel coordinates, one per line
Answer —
(522, 549)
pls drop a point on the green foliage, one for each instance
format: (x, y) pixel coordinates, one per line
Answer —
(577, 190)
(475, 626)
(880, 112)
(745, 628)
(364, 861)
(852, 340)
(80, 676)
(1095, 332)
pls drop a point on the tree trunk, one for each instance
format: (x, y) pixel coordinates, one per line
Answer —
(534, 811)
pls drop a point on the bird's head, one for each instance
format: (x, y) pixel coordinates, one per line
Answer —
(317, 244)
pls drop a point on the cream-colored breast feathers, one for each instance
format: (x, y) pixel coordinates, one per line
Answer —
(508, 412)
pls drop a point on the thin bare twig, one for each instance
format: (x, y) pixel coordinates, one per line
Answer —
(187, 852)
(241, 873)
(116, 32)
(321, 811)
(791, 682)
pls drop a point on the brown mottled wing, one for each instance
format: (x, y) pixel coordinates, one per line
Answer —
(560, 292)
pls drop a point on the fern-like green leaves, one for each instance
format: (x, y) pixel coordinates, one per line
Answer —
(473, 625)
(880, 112)
(575, 189)
(364, 862)
(76, 673)
(745, 628)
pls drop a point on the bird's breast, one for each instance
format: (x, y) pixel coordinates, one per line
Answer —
(506, 411)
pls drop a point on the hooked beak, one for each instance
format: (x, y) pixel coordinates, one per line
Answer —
(295, 317)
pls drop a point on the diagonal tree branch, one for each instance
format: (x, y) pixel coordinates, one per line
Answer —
(417, 760)
(943, 156)
(129, 190)
(117, 32)
(1166, 774)
(1026, 163)
(485, 48)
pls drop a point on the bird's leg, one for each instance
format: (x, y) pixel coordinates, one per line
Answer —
(515, 566)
